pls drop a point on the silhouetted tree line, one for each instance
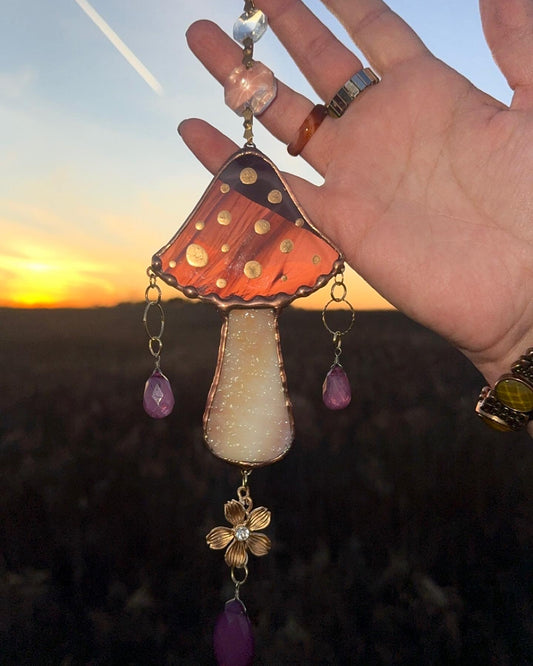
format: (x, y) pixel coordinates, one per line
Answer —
(402, 527)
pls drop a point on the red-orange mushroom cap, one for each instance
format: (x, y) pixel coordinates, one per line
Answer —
(247, 243)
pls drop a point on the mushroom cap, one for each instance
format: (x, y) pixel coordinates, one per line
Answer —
(247, 243)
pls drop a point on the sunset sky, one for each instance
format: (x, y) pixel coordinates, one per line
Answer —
(93, 175)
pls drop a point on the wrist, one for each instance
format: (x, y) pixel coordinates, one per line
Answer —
(501, 358)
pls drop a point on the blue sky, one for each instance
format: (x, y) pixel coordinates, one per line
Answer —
(93, 175)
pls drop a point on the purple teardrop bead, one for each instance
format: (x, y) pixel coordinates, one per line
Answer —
(336, 392)
(233, 639)
(158, 399)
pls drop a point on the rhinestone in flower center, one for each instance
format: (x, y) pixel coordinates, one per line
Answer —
(241, 533)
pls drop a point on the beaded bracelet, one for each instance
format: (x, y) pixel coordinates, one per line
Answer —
(509, 405)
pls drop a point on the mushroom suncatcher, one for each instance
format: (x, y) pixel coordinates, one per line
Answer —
(248, 248)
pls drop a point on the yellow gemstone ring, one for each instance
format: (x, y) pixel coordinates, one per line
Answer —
(515, 392)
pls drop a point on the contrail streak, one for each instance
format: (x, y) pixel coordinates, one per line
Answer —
(121, 47)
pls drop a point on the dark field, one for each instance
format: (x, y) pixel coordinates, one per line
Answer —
(402, 527)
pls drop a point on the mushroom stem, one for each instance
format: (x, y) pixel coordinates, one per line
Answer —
(248, 418)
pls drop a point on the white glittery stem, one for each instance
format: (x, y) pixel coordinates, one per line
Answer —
(248, 419)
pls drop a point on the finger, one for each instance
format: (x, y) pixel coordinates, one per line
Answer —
(384, 38)
(324, 60)
(212, 148)
(209, 145)
(220, 55)
(508, 27)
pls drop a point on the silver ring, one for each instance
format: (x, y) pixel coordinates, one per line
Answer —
(360, 81)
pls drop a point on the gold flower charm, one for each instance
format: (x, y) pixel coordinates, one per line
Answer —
(242, 536)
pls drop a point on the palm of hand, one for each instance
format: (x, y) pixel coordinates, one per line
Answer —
(453, 257)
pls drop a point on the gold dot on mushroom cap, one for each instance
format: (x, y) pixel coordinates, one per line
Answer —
(248, 176)
(262, 227)
(225, 248)
(224, 217)
(252, 269)
(221, 283)
(317, 259)
(224, 188)
(286, 246)
(299, 222)
(199, 226)
(172, 263)
(196, 256)
(283, 278)
(275, 196)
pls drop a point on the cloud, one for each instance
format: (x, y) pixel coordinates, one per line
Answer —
(14, 84)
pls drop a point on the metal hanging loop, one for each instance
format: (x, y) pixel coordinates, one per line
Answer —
(338, 294)
(152, 297)
(239, 581)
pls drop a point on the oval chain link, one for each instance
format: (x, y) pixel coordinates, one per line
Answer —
(338, 294)
(152, 297)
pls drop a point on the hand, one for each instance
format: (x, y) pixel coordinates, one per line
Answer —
(427, 180)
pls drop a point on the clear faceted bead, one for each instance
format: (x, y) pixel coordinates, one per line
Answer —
(251, 26)
(250, 88)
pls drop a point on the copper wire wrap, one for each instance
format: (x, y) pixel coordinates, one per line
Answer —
(307, 129)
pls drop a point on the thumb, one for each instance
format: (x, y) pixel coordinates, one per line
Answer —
(508, 28)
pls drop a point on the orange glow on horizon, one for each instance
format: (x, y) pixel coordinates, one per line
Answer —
(42, 275)
(54, 285)
(52, 281)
